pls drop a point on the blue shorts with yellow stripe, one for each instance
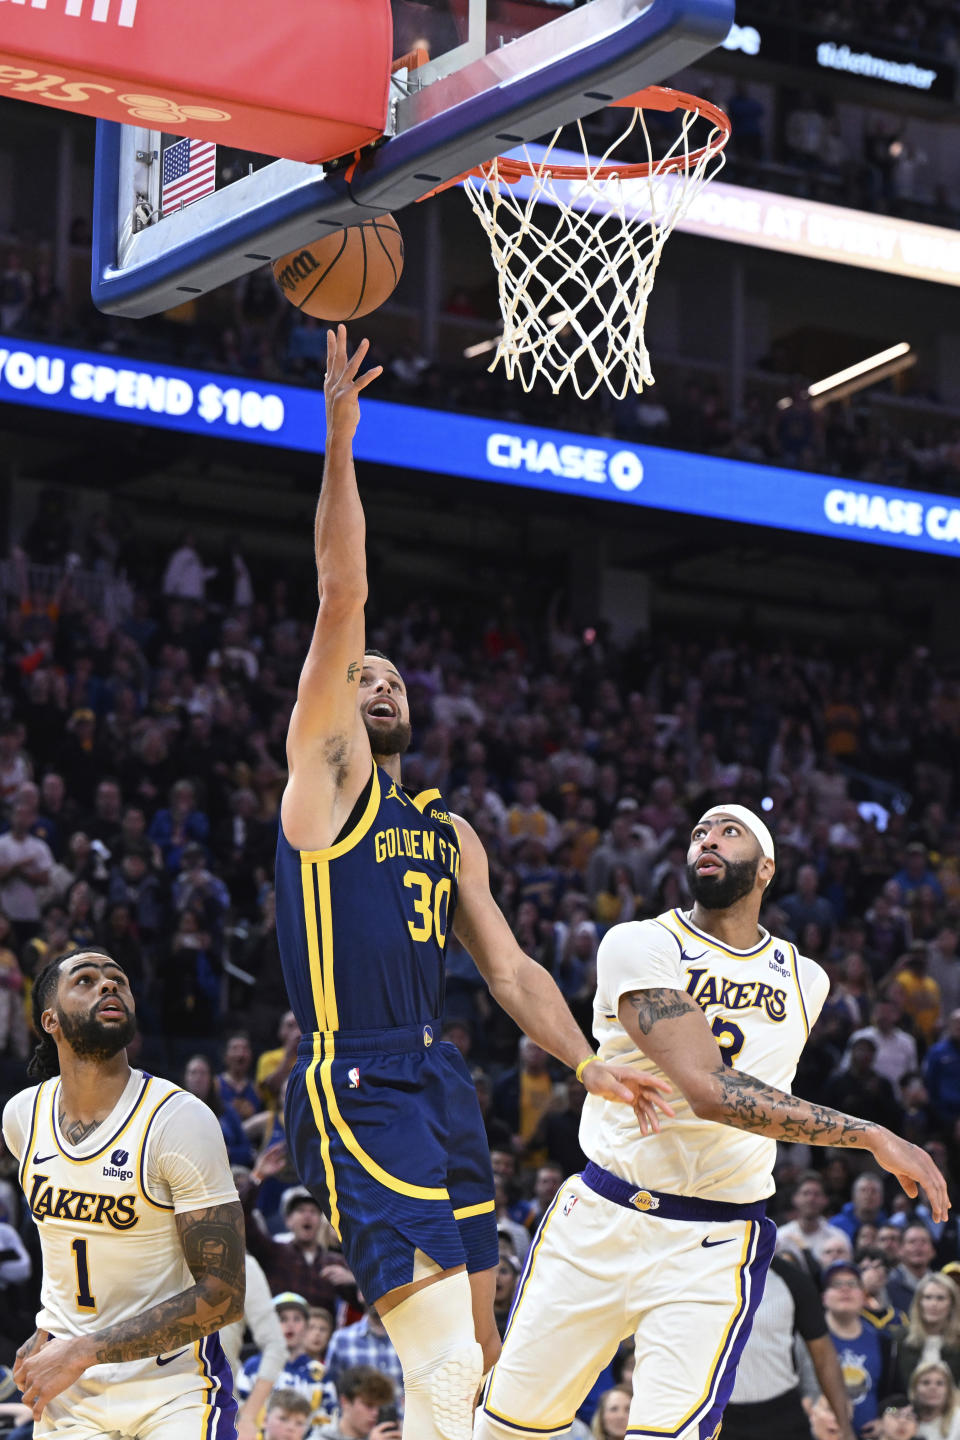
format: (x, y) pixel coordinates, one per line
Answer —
(385, 1130)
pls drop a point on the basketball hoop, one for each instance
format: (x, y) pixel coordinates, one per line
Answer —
(574, 280)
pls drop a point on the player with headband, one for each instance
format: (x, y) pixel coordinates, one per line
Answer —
(664, 1236)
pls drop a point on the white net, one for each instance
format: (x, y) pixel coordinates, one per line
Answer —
(576, 258)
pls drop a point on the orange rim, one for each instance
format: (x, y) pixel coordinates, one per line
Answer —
(654, 97)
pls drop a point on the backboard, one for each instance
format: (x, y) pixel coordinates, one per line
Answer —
(488, 75)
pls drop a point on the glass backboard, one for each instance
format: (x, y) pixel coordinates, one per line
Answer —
(475, 79)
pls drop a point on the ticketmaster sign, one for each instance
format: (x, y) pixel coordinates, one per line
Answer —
(465, 446)
(831, 56)
(804, 47)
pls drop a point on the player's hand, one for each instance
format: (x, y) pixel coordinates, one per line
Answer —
(630, 1087)
(338, 1273)
(271, 1162)
(342, 386)
(48, 1369)
(912, 1166)
(246, 1427)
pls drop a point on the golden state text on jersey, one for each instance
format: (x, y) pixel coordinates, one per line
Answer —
(363, 925)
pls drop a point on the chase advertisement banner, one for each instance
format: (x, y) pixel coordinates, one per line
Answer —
(557, 461)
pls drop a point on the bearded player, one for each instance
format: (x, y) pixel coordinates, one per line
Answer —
(382, 1119)
(664, 1236)
(140, 1226)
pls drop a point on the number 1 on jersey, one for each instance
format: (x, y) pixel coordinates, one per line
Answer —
(85, 1301)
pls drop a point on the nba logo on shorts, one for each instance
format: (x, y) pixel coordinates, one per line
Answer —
(427, 1035)
(569, 1203)
(354, 1077)
(645, 1201)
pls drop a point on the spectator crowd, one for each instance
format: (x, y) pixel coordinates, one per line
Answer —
(141, 765)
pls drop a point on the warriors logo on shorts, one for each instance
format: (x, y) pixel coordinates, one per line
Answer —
(645, 1201)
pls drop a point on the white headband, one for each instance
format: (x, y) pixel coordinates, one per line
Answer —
(746, 817)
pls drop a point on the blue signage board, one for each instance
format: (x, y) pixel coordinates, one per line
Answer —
(558, 461)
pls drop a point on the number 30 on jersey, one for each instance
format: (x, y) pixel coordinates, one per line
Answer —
(431, 905)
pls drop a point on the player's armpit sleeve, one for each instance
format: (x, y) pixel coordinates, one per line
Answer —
(637, 955)
(187, 1165)
(16, 1121)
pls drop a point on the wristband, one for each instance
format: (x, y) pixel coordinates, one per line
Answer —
(583, 1065)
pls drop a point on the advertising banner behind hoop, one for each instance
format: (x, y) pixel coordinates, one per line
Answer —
(555, 462)
(305, 82)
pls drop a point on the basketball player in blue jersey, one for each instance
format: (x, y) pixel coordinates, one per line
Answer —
(381, 1117)
(140, 1226)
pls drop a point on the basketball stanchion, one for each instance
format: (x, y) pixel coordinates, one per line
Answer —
(577, 246)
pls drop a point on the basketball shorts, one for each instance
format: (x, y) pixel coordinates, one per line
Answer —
(385, 1130)
(683, 1276)
(184, 1396)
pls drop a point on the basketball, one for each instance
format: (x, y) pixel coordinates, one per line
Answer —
(346, 274)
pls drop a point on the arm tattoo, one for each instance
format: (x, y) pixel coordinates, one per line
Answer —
(214, 1247)
(659, 1004)
(353, 670)
(745, 1102)
(75, 1131)
(28, 1346)
(749, 1104)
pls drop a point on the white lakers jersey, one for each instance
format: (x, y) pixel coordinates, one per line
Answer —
(105, 1209)
(760, 1004)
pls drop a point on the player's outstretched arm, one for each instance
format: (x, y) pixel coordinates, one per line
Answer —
(325, 726)
(214, 1247)
(671, 1029)
(530, 995)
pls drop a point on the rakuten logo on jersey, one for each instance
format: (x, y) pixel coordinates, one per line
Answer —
(568, 461)
(119, 12)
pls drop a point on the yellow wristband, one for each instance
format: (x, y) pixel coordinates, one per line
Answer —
(583, 1065)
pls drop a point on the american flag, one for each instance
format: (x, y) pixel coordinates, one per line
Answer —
(189, 173)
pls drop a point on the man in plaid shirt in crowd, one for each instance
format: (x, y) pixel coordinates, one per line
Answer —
(365, 1343)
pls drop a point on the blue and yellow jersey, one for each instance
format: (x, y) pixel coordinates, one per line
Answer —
(363, 924)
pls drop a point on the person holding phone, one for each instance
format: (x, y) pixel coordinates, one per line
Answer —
(367, 1408)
